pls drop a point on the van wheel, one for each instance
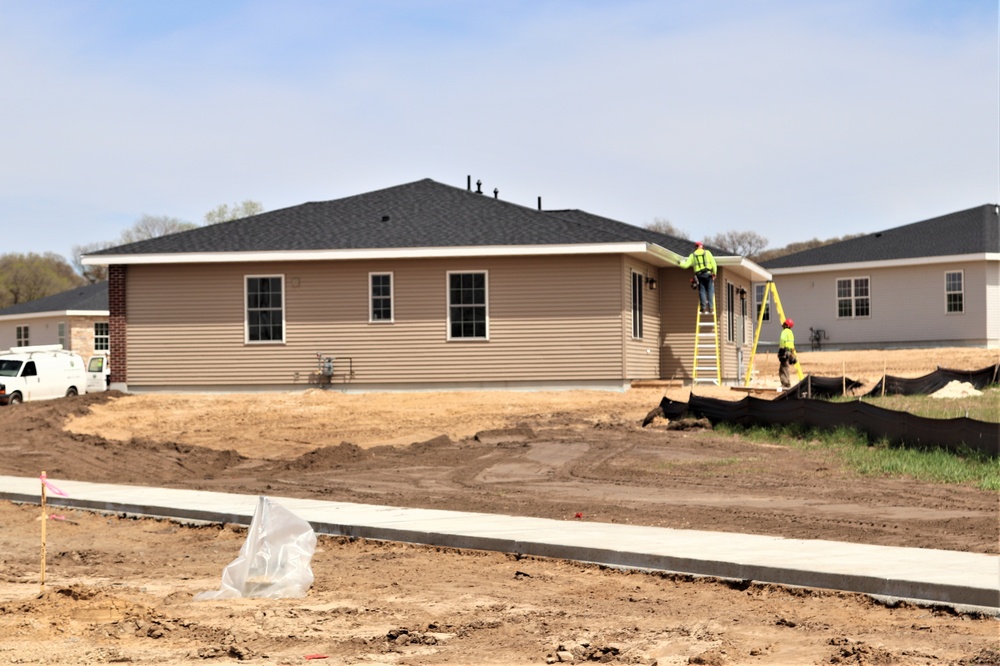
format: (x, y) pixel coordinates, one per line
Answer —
(71, 391)
(14, 399)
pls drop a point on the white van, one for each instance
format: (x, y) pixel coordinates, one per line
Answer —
(39, 373)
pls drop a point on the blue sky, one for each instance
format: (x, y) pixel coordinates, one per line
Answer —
(792, 118)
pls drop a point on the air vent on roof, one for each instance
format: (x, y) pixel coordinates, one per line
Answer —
(385, 218)
(479, 187)
(496, 193)
(539, 203)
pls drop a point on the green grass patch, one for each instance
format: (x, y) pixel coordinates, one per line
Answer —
(985, 407)
(879, 458)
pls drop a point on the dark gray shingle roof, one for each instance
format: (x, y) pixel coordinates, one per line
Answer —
(420, 214)
(972, 231)
(90, 298)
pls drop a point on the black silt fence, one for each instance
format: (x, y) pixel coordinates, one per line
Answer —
(900, 428)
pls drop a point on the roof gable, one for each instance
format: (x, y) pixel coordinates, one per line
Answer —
(972, 231)
(89, 298)
(421, 214)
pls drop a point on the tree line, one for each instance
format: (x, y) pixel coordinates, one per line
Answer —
(747, 244)
(29, 276)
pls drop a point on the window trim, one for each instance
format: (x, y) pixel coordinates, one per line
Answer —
(391, 297)
(638, 280)
(853, 298)
(22, 335)
(485, 305)
(246, 310)
(764, 291)
(961, 293)
(61, 333)
(106, 337)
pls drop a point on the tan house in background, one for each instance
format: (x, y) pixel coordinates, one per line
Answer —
(418, 286)
(77, 319)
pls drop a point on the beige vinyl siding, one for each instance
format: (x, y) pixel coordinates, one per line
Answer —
(992, 304)
(642, 358)
(550, 319)
(679, 308)
(907, 307)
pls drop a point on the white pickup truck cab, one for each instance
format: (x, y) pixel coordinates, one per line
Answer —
(40, 372)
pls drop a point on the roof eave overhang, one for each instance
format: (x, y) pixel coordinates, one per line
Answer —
(889, 263)
(649, 252)
(744, 267)
(55, 313)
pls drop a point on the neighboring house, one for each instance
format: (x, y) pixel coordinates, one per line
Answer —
(77, 319)
(930, 283)
(417, 286)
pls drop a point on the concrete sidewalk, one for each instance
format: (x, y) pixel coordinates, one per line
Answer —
(922, 575)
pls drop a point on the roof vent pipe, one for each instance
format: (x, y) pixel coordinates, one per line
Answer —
(496, 193)
(539, 203)
(468, 183)
(479, 187)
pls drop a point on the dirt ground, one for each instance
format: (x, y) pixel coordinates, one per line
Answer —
(120, 590)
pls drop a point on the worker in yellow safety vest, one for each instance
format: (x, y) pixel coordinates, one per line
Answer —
(704, 270)
(786, 353)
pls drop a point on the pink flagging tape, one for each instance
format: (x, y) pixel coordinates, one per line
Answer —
(51, 487)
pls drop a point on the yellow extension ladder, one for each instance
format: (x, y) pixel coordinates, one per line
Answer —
(707, 368)
(770, 289)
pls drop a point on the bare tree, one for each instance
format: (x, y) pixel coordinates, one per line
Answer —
(223, 213)
(743, 243)
(154, 226)
(664, 226)
(92, 274)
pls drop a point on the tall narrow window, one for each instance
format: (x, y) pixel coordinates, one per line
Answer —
(265, 313)
(23, 337)
(380, 286)
(467, 313)
(730, 312)
(853, 298)
(101, 336)
(61, 332)
(637, 279)
(759, 291)
(954, 292)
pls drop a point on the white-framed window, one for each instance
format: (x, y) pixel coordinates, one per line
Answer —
(102, 336)
(265, 308)
(637, 283)
(853, 298)
(468, 313)
(61, 333)
(954, 292)
(23, 336)
(380, 297)
(730, 311)
(758, 298)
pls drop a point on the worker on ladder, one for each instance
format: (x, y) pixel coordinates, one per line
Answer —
(704, 270)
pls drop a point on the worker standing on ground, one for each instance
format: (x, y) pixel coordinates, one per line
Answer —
(704, 269)
(786, 353)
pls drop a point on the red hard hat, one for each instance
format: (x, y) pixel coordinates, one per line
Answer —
(699, 244)
(789, 323)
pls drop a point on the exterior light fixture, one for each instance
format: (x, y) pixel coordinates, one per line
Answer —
(651, 283)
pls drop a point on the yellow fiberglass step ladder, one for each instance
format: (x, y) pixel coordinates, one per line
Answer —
(707, 369)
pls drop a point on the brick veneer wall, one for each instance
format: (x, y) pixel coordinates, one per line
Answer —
(117, 328)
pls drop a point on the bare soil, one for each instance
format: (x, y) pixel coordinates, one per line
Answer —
(120, 590)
